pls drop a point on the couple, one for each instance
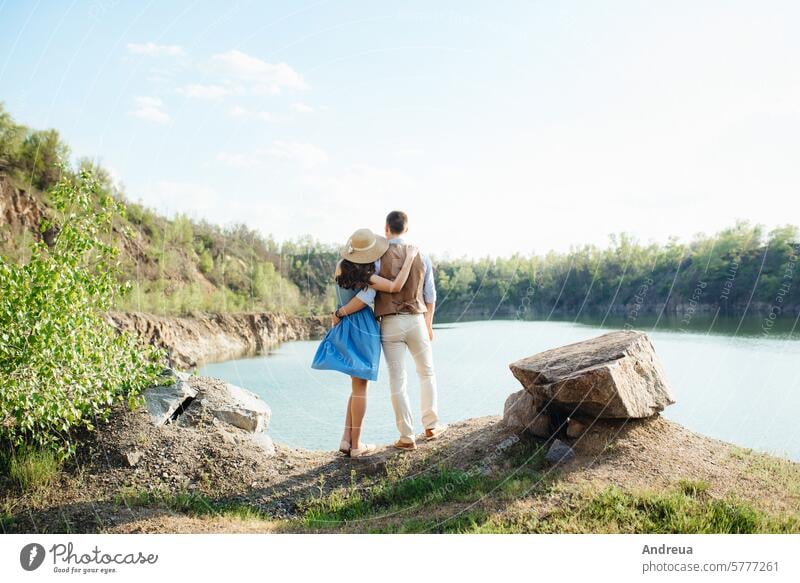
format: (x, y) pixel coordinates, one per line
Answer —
(393, 276)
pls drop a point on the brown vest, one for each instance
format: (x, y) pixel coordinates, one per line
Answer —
(409, 299)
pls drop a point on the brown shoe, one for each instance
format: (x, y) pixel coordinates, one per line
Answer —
(435, 433)
(405, 445)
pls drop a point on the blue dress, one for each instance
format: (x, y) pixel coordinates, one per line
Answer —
(353, 346)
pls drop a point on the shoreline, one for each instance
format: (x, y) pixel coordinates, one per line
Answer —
(204, 338)
(207, 337)
(200, 339)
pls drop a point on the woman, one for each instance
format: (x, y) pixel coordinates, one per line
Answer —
(353, 345)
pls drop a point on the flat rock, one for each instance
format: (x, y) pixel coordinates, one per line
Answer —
(616, 376)
(162, 402)
(133, 457)
(520, 414)
(559, 452)
(229, 404)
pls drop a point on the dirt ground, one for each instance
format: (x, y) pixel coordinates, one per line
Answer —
(227, 468)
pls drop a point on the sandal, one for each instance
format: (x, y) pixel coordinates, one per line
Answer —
(365, 450)
(344, 447)
(435, 433)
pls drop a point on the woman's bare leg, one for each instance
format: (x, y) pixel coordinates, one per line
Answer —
(357, 408)
(348, 420)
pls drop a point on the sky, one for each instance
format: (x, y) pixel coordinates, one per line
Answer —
(499, 127)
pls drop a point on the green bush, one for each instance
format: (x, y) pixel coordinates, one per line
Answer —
(206, 262)
(11, 138)
(62, 365)
(41, 153)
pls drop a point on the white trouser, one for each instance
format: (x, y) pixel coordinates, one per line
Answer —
(398, 332)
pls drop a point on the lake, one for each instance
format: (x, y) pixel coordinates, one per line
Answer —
(738, 383)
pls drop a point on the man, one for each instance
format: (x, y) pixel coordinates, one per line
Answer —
(406, 319)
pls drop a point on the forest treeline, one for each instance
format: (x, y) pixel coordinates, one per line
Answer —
(179, 265)
(742, 268)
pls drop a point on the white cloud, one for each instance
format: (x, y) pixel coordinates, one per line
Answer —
(302, 108)
(239, 111)
(196, 91)
(361, 181)
(306, 155)
(150, 109)
(238, 160)
(258, 75)
(267, 116)
(243, 112)
(154, 50)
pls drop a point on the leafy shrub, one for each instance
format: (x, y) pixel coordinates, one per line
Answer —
(11, 137)
(62, 364)
(41, 152)
(206, 262)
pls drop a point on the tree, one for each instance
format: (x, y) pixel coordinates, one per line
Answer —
(42, 156)
(11, 137)
(62, 365)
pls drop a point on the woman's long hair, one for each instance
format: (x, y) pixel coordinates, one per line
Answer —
(355, 275)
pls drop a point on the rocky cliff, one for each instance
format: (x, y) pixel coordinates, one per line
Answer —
(200, 338)
(19, 212)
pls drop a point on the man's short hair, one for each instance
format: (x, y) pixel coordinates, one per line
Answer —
(397, 221)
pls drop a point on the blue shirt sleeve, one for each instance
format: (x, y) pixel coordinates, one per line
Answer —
(368, 295)
(429, 286)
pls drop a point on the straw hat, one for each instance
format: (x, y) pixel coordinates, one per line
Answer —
(364, 246)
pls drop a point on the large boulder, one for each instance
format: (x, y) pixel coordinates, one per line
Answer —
(616, 375)
(162, 402)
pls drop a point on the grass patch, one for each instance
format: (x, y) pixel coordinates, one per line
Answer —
(687, 509)
(353, 503)
(465, 522)
(693, 487)
(7, 517)
(770, 469)
(189, 503)
(31, 469)
(398, 496)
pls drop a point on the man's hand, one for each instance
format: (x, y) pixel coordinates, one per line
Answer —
(429, 319)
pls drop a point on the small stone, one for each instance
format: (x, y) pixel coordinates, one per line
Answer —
(227, 437)
(133, 457)
(520, 414)
(559, 452)
(576, 428)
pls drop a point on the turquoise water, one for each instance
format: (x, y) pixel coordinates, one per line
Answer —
(742, 388)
